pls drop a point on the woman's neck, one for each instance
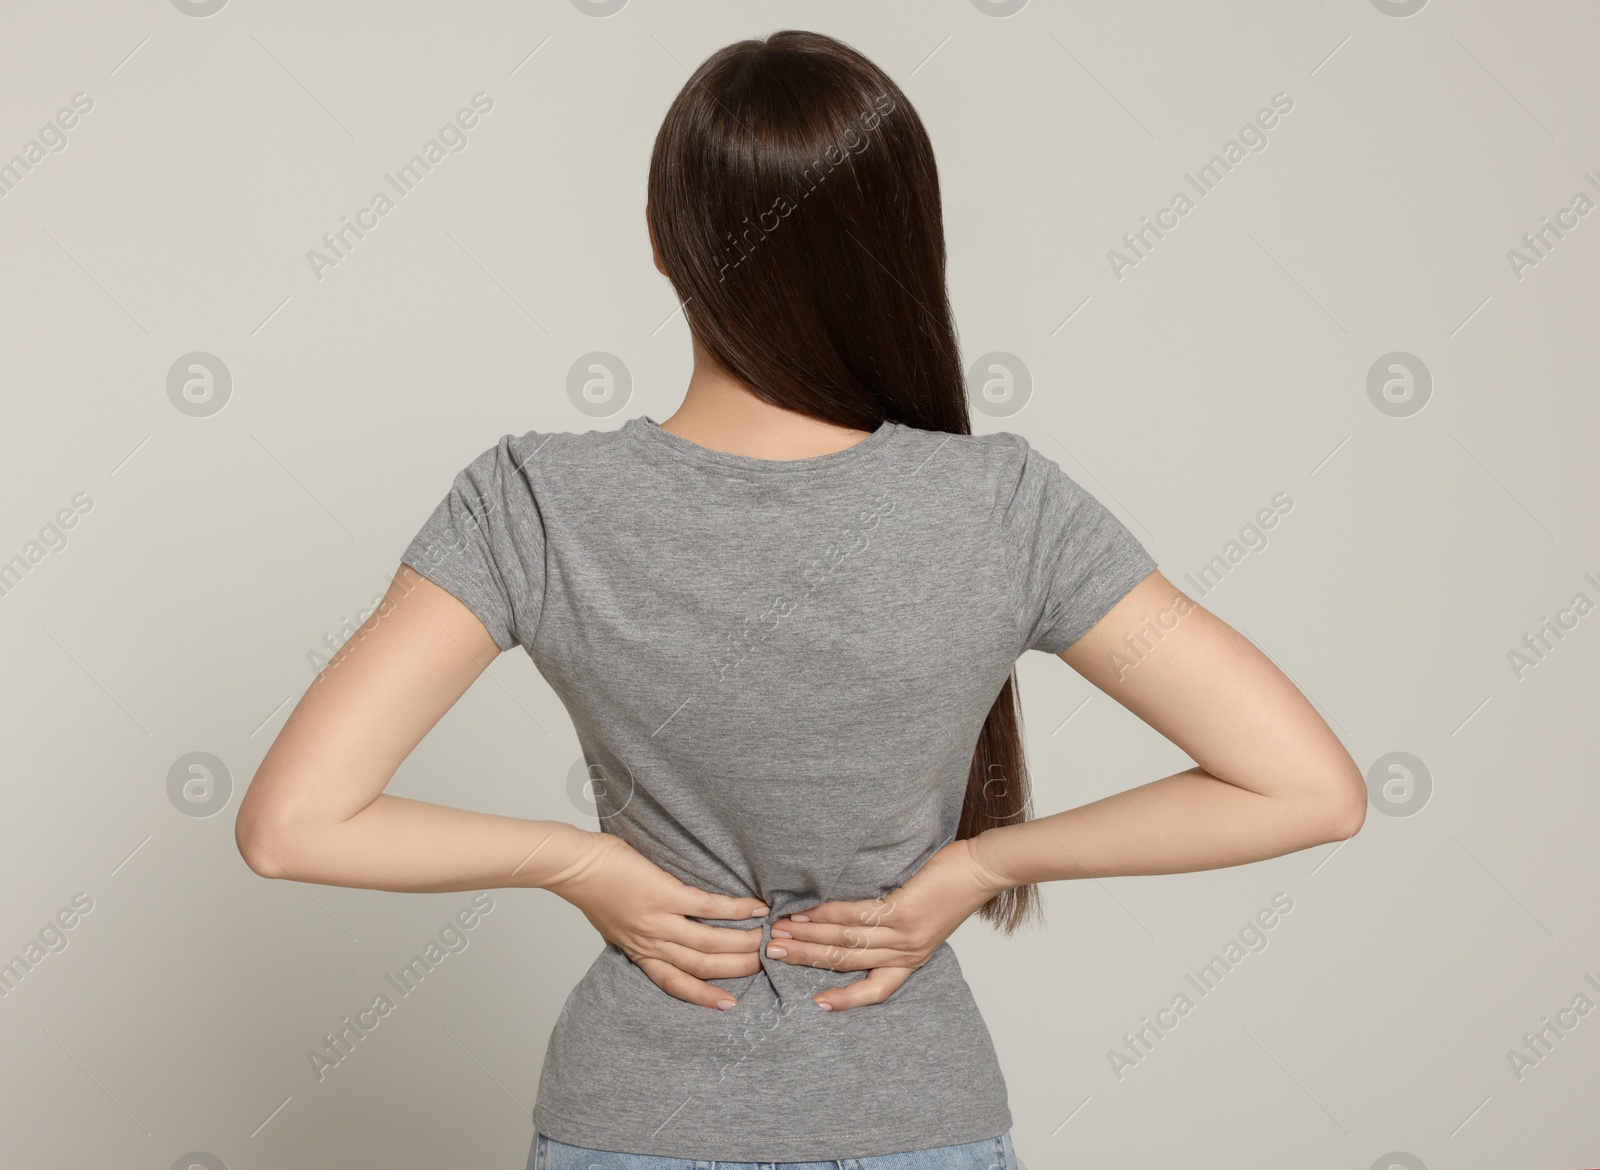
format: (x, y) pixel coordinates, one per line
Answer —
(722, 413)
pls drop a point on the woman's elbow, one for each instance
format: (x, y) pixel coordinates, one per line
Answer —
(1341, 805)
(252, 838)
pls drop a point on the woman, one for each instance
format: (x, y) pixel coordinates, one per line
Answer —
(785, 622)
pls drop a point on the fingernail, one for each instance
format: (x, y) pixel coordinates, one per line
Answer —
(823, 1004)
(799, 918)
(762, 913)
(725, 1005)
(776, 952)
(781, 934)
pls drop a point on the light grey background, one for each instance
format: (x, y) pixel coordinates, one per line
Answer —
(1229, 365)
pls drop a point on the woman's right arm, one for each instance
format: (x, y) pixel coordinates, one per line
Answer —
(1271, 776)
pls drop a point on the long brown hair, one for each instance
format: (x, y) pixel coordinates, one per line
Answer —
(794, 203)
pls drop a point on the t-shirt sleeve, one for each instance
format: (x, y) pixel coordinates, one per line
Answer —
(484, 543)
(1071, 560)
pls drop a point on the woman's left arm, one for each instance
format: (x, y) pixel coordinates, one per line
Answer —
(317, 811)
(1271, 778)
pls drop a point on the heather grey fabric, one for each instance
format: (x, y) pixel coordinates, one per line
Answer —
(547, 1153)
(779, 670)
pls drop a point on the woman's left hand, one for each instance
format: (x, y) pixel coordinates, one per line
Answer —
(891, 936)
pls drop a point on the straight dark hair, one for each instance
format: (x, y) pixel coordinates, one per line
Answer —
(794, 203)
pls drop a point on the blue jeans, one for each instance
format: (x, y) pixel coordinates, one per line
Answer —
(989, 1154)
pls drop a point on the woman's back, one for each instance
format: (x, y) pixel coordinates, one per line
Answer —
(777, 671)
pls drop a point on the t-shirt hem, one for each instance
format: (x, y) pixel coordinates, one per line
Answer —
(712, 1146)
(1129, 575)
(469, 591)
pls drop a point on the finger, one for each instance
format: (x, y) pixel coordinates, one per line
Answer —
(704, 966)
(806, 954)
(879, 985)
(714, 940)
(703, 904)
(857, 937)
(681, 985)
(871, 912)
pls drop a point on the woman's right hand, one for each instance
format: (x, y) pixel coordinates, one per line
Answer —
(643, 910)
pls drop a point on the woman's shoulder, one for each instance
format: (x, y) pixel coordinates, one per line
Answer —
(529, 451)
(991, 460)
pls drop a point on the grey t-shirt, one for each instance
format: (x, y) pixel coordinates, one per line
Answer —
(779, 671)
